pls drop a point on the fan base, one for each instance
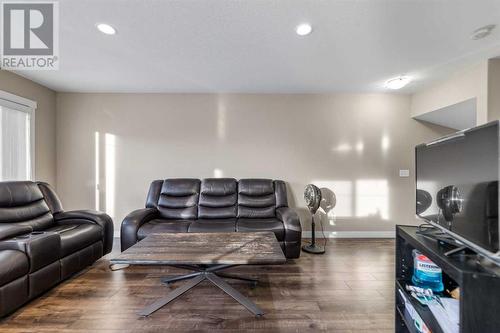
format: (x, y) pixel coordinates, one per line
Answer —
(313, 248)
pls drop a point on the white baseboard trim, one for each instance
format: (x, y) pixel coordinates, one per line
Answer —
(337, 234)
(351, 234)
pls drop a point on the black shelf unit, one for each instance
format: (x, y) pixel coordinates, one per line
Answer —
(478, 279)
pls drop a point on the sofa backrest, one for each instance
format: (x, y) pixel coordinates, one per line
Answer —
(23, 202)
(216, 198)
(256, 198)
(176, 198)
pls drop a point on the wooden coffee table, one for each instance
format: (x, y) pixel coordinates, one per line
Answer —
(206, 254)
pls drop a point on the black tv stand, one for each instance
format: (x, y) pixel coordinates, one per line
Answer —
(445, 240)
(477, 278)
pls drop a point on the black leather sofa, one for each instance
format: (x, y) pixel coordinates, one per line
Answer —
(41, 244)
(215, 205)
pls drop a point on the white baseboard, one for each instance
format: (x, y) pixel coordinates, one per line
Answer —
(351, 234)
(337, 234)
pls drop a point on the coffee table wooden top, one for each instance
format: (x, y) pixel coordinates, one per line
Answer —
(235, 248)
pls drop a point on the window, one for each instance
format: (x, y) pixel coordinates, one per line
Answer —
(16, 137)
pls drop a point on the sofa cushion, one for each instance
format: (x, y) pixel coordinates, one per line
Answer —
(9, 230)
(217, 198)
(14, 264)
(256, 198)
(255, 187)
(19, 193)
(23, 202)
(161, 226)
(213, 225)
(75, 237)
(80, 259)
(179, 199)
(269, 224)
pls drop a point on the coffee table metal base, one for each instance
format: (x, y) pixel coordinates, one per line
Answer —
(202, 273)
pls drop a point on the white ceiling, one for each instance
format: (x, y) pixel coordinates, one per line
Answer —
(251, 46)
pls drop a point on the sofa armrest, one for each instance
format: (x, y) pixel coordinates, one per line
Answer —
(90, 216)
(9, 230)
(132, 222)
(293, 231)
(41, 247)
(291, 221)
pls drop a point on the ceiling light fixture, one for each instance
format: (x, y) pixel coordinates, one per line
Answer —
(397, 82)
(106, 29)
(303, 29)
(482, 32)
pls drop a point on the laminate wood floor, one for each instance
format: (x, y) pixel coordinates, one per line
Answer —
(348, 289)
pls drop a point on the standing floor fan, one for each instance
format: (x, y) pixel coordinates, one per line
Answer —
(312, 196)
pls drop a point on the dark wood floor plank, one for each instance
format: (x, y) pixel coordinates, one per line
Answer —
(348, 289)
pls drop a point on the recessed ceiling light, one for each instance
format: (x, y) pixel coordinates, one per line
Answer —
(397, 82)
(482, 32)
(106, 29)
(303, 29)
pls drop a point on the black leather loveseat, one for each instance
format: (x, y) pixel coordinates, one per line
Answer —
(215, 205)
(40, 244)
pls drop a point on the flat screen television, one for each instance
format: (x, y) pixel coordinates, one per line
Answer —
(457, 186)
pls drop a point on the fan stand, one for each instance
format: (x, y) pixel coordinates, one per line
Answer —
(313, 247)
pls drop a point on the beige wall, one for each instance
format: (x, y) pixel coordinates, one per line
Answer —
(461, 86)
(45, 137)
(493, 89)
(353, 144)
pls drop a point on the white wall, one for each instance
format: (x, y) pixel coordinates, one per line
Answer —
(45, 122)
(461, 86)
(354, 144)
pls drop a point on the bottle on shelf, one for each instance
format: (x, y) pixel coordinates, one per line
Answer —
(426, 274)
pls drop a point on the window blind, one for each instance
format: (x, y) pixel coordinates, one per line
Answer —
(15, 141)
